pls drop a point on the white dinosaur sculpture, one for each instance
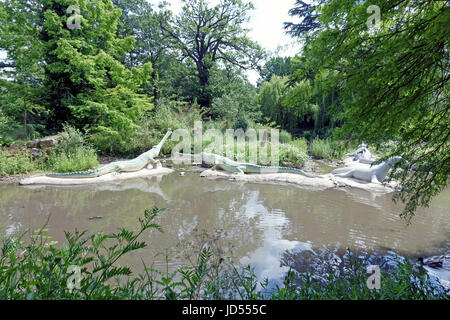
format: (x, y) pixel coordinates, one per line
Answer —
(373, 174)
(362, 154)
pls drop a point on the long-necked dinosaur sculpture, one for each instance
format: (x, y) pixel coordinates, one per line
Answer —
(374, 174)
(136, 164)
(229, 165)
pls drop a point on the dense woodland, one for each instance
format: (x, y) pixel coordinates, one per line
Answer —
(131, 70)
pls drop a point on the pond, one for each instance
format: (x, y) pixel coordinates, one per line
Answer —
(261, 225)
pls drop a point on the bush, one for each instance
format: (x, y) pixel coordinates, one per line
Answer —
(83, 159)
(18, 163)
(241, 123)
(294, 152)
(285, 137)
(154, 125)
(72, 153)
(330, 150)
(321, 149)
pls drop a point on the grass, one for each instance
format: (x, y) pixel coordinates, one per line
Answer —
(16, 163)
(43, 269)
(80, 160)
(72, 153)
(295, 152)
(327, 149)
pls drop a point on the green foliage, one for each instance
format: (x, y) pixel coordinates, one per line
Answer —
(80, 77)
(39, 269)
(83, 159)
(285, 137)
(72, 153)
(5, 125)
(392, 82)
(154, 125)
(280, 66)
(321, 148)
(401, 282)
(17, 163)
(295, 152)
(271, 94)
(241, 123)
(234, 96)
(328, 149)
(206, 35)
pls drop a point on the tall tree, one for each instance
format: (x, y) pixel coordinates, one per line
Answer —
(280, 66)
(23, 73)
(208, 35)
(86, 82)
(393, 79)
(140, 20)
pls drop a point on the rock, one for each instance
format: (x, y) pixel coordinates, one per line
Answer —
(36, 153)
(49, 142)
(32, 144)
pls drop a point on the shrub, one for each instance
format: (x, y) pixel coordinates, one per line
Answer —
(294, 152)
(72, 153)
(83, 159)
(321, 149)
(153, 126)
(18, 163)
(285, 137)
(241, 123)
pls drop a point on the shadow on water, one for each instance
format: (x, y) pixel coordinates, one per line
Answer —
(262, 225)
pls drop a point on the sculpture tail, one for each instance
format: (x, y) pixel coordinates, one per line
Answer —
(78, 174)
(296, 171)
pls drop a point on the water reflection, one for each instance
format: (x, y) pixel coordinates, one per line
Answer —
(258, 223)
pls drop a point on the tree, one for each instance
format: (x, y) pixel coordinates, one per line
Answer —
(23, 74)
(209, 35)
(140, 20)
(309, 18)
(86, 83)
(280, 66)
(393, 82)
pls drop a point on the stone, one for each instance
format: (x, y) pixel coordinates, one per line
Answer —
(49, 142)
(31, 144)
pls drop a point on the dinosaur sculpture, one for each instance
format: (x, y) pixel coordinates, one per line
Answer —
(362, 154)
(374, 174)
(241, 168)
(136, 164)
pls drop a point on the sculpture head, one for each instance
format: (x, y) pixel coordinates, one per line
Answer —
(157, 148)
(362, 145)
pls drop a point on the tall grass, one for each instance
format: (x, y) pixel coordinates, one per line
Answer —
(72, 153)
(17, 163)
(327, 149)
(295, 152)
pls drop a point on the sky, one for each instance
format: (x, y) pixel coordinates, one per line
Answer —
(266, 24)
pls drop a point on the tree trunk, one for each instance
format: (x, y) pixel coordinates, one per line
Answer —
(25, 122)
(204, 98)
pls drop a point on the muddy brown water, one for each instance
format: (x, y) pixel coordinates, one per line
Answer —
(256, 224)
